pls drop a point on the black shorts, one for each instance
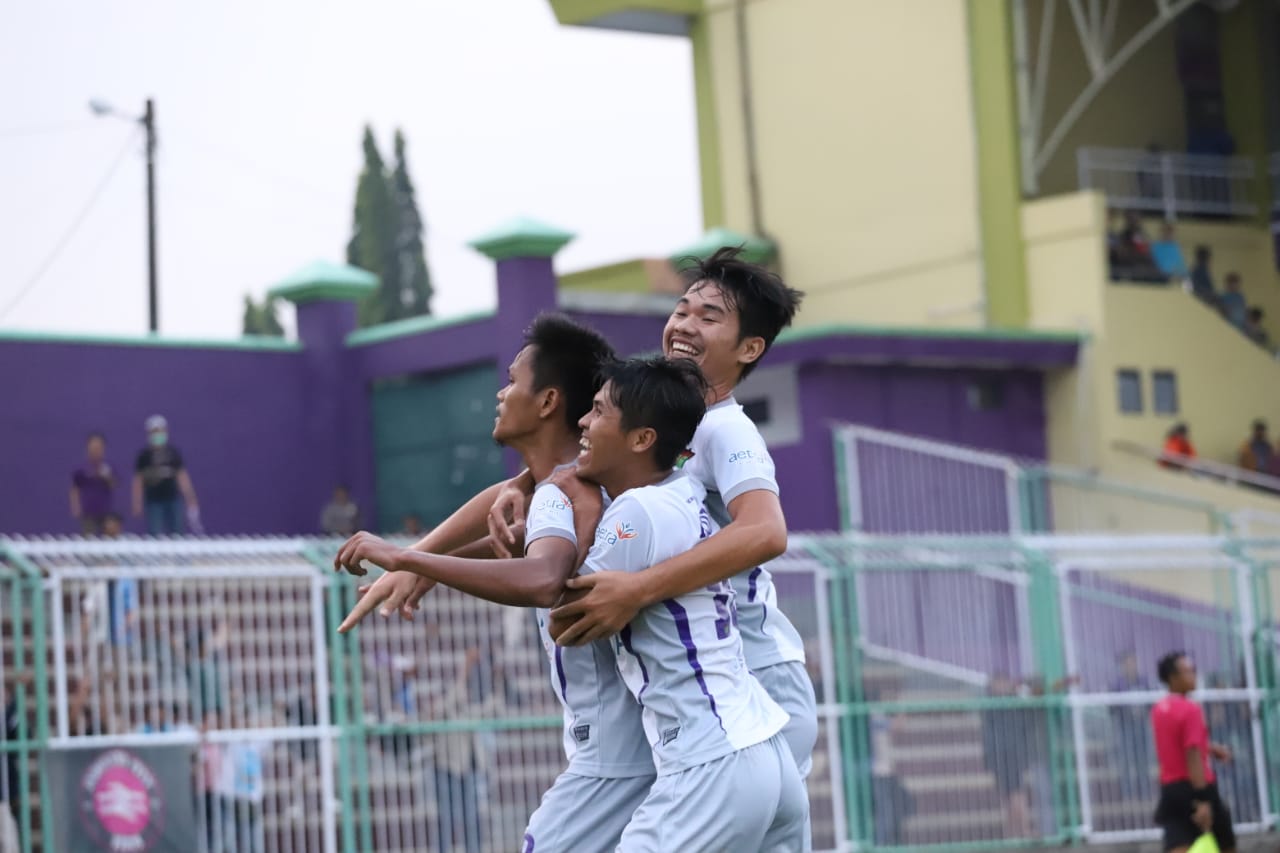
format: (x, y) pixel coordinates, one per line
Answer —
(1173, 815)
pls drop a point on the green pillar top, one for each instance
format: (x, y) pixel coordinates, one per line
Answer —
(321, 280)
(755, 250)
(521, 238)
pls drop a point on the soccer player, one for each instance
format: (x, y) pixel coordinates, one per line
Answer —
(726, 322)
(551, 384)
(1189, 802)
(726, 777)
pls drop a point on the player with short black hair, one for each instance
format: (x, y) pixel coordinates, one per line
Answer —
(1189, 803)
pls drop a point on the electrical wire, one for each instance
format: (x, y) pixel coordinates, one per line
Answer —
(71, 230)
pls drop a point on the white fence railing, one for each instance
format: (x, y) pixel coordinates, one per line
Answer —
(1168, 184)
(953, 675)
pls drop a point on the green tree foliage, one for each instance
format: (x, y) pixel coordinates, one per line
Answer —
(261, 319)
(386, 238)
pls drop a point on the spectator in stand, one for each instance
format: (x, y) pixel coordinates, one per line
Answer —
(92, 487)
(161, 484)
(411, 525)
(1202, 279)
(1256, 453)
(1130, 253)
(1167, 255)
(1177, 447)
(340, 516)
(1231, 303)
(1132, 745)
(892, 803)
(1253, 328)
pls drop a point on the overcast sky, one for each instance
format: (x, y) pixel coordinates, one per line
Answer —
(260, 109)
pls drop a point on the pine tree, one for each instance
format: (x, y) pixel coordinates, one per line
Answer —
(415, 282)
(261, 319)
(387, 238)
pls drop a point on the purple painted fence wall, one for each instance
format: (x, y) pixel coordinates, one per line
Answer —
(237, 417)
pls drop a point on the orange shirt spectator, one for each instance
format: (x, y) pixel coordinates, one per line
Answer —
(1177, 446)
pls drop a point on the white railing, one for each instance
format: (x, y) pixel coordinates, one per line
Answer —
(1231, 475)
(1171, 185)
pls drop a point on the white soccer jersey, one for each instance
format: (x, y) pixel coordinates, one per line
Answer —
(682, 658)
(730, 459)
(603, 732)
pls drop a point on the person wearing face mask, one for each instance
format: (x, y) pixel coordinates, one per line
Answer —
(161, 485)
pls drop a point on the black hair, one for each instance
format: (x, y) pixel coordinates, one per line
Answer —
(764, 302)
(667, 394)
(1168, 665)
(568, 356)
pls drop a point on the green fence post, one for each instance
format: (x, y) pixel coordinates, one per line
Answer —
(1047, 633)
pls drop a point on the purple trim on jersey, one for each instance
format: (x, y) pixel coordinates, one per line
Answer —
(751, 583)
(625, 636)
(691, 651)
(564, 687)
(528, 844)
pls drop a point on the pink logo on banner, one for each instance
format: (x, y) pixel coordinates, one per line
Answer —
(121, 802)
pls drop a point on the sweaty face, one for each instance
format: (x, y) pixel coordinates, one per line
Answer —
(705, 329)
(517, 411)
(604, 441)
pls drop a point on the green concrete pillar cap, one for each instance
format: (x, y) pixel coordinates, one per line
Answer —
(521, 238)
(321, 280)
(755, 250)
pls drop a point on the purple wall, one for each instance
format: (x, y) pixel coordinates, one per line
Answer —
(924, 401)
(237, 417)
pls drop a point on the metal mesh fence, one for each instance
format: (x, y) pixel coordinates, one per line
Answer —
(973, 692)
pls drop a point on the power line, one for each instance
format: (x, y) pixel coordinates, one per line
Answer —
(73, 228)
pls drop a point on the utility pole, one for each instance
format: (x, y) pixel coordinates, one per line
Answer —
(149, 123)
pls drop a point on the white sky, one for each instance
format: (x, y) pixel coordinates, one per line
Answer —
(260, 109)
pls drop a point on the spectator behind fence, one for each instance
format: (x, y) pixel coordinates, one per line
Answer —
(411, 525)
(1231, 302)
(1132, 740)
(1253, 328)
(340, 516)
(1202, 278)
(891, 802)
(1167, 255)
(1129, 252)
(93, 487)
(161, 484)
(1256, 453)
(1177, 447)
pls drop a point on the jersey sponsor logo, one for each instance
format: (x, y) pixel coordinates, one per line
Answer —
(621, 530)
(747, 456)
(670, 735)
(554, 505)
(582, 733)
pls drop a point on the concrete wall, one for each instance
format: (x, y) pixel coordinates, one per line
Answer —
(237, 415)
(866, 153)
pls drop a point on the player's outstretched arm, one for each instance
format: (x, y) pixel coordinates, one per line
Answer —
(537, 580)
(401, 593)
(757, 534)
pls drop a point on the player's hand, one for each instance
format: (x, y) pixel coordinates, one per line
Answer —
(365, 546)
(613, 599)
(1220, 752)
(507, 512)
(588, 506)
(1202, 816)
(389, 594)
